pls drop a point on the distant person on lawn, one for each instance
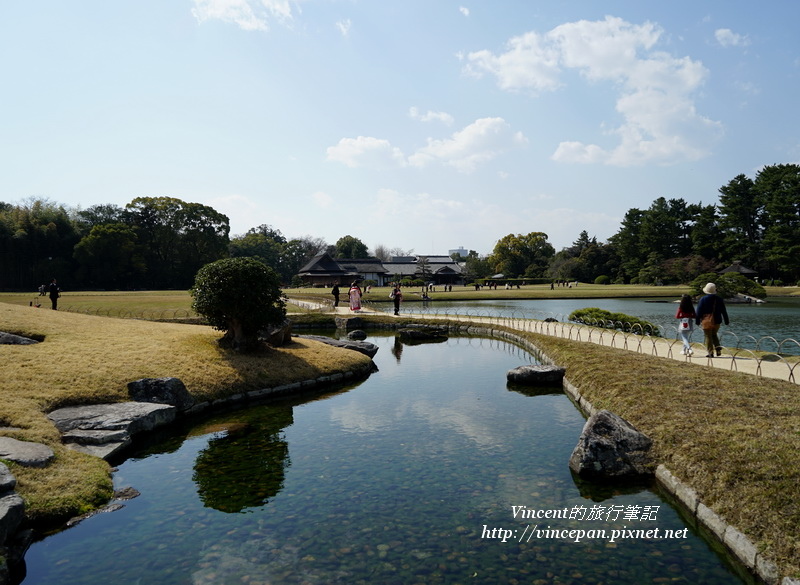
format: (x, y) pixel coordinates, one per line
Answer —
(55, 292)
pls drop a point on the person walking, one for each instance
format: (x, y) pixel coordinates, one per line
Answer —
(711, 313)
(55, 292)
(397, 297)
(355, 297)
(335, 293)
(685, 316)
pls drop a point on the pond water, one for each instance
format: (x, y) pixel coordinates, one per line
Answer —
(751, 325)
(408, 477)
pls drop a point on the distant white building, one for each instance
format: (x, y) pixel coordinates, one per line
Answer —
(460, 251)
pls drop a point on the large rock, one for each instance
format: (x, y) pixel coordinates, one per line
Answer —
(422, 334)
(7, 480)
(11, 339)
(277, 335)
(12, 512)
(611, 448)
(536, 375)
(104, 429)
(365, 347)
(25, 453)
(161, 391)
(348, 322)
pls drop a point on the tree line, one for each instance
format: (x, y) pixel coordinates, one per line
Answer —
(756, 222)
(161, 242)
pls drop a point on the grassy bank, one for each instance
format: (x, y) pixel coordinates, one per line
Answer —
(734, 438)
(86, 359)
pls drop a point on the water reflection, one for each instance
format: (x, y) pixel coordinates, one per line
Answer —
(391, 481)
(245, 465)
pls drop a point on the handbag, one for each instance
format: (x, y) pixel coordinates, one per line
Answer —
(685, 323)
(707, 322)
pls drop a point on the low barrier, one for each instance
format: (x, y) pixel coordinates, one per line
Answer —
(144, 314)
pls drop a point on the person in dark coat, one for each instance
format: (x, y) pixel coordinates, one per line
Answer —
(55, 292)
(335, 293)
(713, 307)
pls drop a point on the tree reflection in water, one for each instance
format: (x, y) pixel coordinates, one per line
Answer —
(244, 467)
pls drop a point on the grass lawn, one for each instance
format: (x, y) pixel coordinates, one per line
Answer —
(87, 359)
(162, 304)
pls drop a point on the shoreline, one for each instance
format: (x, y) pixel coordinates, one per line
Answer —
(747, 553)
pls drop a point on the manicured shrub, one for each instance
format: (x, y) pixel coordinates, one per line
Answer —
(608, 320)
(240, 296)
(602, 279)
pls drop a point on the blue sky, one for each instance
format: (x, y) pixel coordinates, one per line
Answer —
(424, 124)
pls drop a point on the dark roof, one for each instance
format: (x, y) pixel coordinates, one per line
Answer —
(321, 263)
(737, 267)
(363, 265)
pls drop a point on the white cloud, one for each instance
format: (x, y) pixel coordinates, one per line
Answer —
(479, 142)
(527, 64)
(431, 116)
(463, 10)
(366, 151)
(659, 121)
(246, 14)
(727, 38)
(421, 209)
(322, 199)
(344, 26)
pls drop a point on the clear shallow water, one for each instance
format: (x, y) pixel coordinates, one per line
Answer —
(391, 481)
(750, 324)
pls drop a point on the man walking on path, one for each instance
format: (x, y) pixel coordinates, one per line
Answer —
(711, 313)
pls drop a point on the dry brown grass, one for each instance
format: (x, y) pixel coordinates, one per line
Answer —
(85, 360)
(734, 438)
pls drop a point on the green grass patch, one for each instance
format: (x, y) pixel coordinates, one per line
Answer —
(537, 291)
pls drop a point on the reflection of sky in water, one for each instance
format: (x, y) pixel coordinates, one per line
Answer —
(390, 481)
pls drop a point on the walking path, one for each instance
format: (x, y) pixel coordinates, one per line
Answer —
(733, 359)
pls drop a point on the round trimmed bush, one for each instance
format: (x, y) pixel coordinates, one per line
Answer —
(240, 296)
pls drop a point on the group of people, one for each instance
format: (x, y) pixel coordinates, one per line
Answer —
(355, 293)
(709, 315)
